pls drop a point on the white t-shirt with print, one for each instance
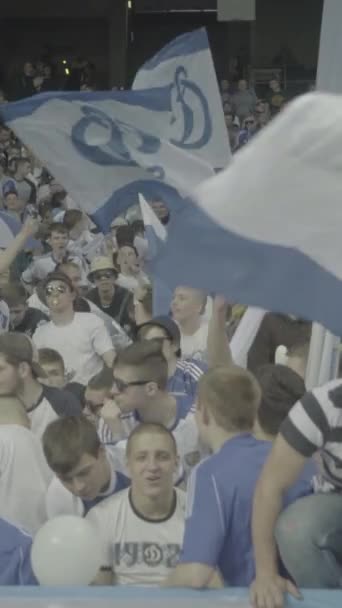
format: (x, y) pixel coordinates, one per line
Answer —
(81, 343)
(195, 346)
(24, 478)
(140, 551)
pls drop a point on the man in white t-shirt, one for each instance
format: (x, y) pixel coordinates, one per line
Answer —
(19, 373)
(80, 338)
(85, 472)
(141, 528)
(187, 307)
(24, 473)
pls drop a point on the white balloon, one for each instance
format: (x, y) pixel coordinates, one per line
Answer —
(66, 551)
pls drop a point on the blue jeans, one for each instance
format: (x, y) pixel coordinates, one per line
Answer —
(309, 538)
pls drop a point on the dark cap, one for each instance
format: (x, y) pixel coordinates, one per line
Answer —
(166, 323)
(58, 276)
(20, 348)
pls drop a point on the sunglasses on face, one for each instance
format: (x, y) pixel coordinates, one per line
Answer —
(55, 289)
(121, 386)
(103, 275)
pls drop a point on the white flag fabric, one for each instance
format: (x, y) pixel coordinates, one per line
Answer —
(271, 235)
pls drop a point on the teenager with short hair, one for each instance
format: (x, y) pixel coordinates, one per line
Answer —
(85, 472)
(141, 528)
(220, 489)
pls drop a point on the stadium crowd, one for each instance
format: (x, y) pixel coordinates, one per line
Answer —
(187, 439)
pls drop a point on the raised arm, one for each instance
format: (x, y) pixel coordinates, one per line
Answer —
(8, 256)
(280, 472)
(218, 350)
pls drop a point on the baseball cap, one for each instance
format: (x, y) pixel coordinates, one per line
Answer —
(20, 348)
(166, 323)
(9, 188)
(58, 276)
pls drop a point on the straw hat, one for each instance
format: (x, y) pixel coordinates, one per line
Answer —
(101, 263)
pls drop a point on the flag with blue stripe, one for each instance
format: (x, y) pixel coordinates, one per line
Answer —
(105, 148)
(271, 235)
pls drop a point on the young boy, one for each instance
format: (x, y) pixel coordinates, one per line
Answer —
(85, 472)
(52, 365)
(42, 266)
(221, 488)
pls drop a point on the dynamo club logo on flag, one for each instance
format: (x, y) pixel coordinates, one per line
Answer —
(197, 120)
(160, 140)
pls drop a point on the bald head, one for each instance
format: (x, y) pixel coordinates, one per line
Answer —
(188, 303)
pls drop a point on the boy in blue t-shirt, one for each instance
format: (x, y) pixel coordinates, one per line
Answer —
(217, 536)
(15, 552)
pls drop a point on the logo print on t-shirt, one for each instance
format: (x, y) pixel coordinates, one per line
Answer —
(152, 554)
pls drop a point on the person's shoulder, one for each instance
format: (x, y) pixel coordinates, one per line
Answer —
(62, 401)
(122, 293)
(40, 259)
(181, 499)
(36, 315)
(42, 329)
(185, 403)
(192, 367)
(92, 293)
(88, 319)
(111, 505)
(328, 395)
(12, 536)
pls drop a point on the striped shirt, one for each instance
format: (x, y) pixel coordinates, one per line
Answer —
(315, 423)
(186, 377)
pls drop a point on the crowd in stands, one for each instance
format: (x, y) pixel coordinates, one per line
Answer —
(245, 112)
(163, 431)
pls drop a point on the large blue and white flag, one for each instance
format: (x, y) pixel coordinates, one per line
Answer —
(105, 148)
(271, 236)
(197, 123)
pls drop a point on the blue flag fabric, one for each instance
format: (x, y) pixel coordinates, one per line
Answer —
(105, 148)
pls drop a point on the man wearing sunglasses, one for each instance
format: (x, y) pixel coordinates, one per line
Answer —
(140, 393)
(80, 338)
